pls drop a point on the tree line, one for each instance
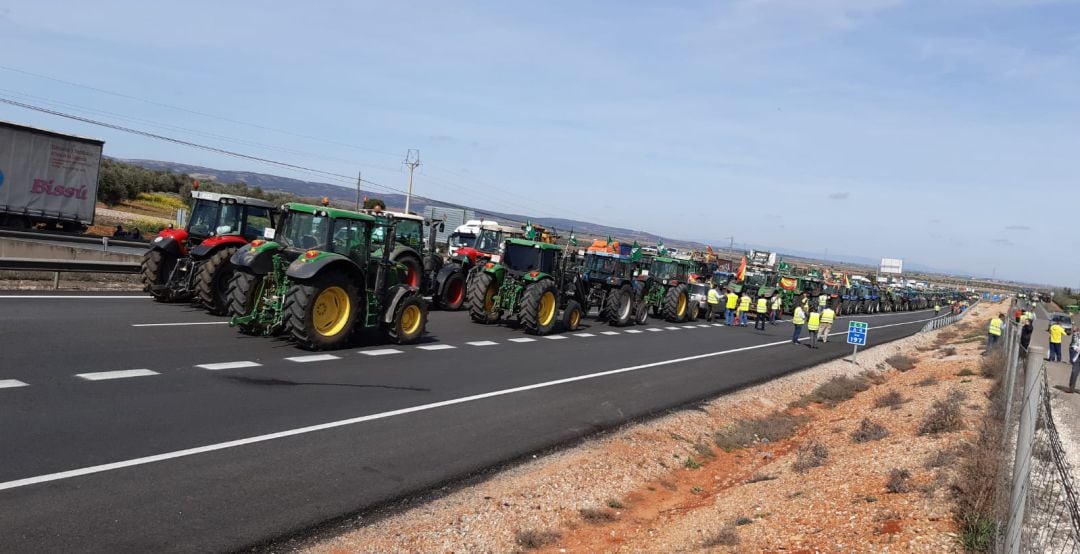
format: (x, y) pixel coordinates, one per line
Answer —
(119, 181)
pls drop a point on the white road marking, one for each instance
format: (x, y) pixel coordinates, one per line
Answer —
(482, 343)
(11, 383)
(634, 331)
(609, 333)
(705, 325)
(313, 358)
(555, 337)
(672, 328)
(122, 374)
(584, 335)
(522, 339)
(717, 324)
(76, 296)
(654, 329)
(381, 352)
(229, 365)
(373, 417)
(179, 324)
(436, 347)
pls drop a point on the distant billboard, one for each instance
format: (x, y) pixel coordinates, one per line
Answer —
(892, 265)
(762, 258)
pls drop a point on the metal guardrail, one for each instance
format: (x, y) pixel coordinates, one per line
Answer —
(946, 320)
(55, 236)
(68, 266)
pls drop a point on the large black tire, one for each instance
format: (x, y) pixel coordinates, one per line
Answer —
(541, 295)
(482, 288)
(452, 296)
(641, 317)
(676, 304)
(156, 266)
(571, 319)
(410, 318)
(243, 286)
(694, 312)
(620, 306)
(303, 304)
(212, 281)
(414, 269)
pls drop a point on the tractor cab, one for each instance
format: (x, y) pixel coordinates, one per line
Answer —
(521, 256)
(600, 266)
(669, 271)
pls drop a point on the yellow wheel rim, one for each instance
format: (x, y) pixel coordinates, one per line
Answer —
(547, 308)
(575, 318)
(410, 319)
(489, 299)
(682, 304)
(331, 311)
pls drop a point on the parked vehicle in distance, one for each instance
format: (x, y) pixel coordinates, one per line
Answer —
(1063, 319)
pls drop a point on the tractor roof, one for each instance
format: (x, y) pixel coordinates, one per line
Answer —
(608, 255)
(666, 259)
(243, 200)
(324, 211)
(534, 244)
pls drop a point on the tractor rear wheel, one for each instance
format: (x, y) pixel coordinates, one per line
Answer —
(156, 266)
(452, 297)
(414, 270)
(409, 321)
(482, 292)
(572, 316)
(320, 313)
(619, 305)
(539, 306)
(676, 304)
(641, 317)
(695, 312)
(212, 281)
(243, 286)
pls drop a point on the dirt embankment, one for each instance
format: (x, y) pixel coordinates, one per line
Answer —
(837, 457)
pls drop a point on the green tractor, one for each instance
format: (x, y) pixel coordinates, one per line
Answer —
(667, 292)
(348, 282)
(609, 281)
(530, 283)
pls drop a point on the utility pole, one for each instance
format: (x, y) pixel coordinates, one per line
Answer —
(358, 181)
(731, 243)
(412, 160)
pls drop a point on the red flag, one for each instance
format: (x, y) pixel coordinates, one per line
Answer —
(742, 270)
(847, 283)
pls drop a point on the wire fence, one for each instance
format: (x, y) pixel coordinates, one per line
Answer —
(1037, 497)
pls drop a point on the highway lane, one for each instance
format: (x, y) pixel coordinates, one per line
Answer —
(60, 422)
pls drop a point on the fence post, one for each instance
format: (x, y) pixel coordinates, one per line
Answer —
(1024, 441)
(56, 281)
(1012, 363)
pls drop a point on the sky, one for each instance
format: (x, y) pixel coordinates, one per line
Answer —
(942, 133)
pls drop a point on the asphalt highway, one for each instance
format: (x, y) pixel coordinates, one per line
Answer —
(128, 425)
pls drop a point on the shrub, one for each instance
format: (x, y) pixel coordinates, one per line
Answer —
(993, 363)
(532, 538)
(691, 463)
(596, 515)
(835, 391)
(759, 477)
(743, 520)
(945, 415)
(614, 503)
(898, 481)
(810, 455)
(869, 431)
(948, 351)
(940, 458)
(901, 362)
(704, 450)
(928, 382)
(966, 372)
(947, 335)
(891, 399)
(771, 428)
(726, 536)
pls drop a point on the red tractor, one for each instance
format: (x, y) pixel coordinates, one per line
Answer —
(194, 263)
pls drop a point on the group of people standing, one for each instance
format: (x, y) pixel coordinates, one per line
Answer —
(1026, 319)
(736, 309)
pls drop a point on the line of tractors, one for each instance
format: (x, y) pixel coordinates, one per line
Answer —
(319, 275)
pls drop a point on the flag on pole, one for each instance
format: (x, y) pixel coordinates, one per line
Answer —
(609, 241)
(530, 233)
(573, 237)
(847, 282)
(660, 247)
(635, 252)
(742, 270)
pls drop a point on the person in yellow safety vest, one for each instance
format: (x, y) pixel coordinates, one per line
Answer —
(937, 309)
(822, 300)
(732, 302)
(994, 332)
(762, 310)
(813, 325)
(744, 307)
(1030, 315)
(828, 315)
(798, 319)
(714, 302)
(805, 302)
(1056, 333)
(777, 305)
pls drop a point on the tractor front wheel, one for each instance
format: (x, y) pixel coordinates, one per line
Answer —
(620, 303)
(482, 292)
(641, 317)
(410, 318)
(572, 316)
(241, 292)
(212, 281)
(453, 293)
(676, 304)
(539, 306)
(156, 266)
(320, 313)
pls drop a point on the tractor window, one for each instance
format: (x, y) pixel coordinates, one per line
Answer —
(488, 241)
(257, 219)
(601, 265)
(229, 219)
(462, 240)
(410, 233)
(204, 217)
(304, 231)
(350, 239)
(519, 257)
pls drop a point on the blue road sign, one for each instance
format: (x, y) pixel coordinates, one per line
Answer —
(856, 333)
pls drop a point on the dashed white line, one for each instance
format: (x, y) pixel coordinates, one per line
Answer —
(180, 324)
(584, 335)
(11, 383)
(313, 358)
(717, 324)
(522, 339)
(436, 347)
(122, 374)
(482, 343)
(703, 325)
(228, 365)
(555, 337)
(654, 329)
(381, 352)
(609, 333)
(633, 331)
(672, 328)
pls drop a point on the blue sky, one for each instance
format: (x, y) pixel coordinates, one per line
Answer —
(944, 133)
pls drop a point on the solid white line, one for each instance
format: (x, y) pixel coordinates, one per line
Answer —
(373, 417)
(654, 329)
(633, 331)
(382, 352)
(179, 324)
(83, 297)
(436, 347)
(482, 343)
(609, 333)
(522, 339)
(122, 374)
(313, 358)
(229, 365)
(584, 335)
(555, 337)
(11, 383)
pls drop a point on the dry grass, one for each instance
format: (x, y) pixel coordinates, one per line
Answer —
(940, 458)
(759, 477)
(928, 382)
(891, 399)
(596, 515)
(966, 372)
(945, 415)
(771, 428)
(898, 481)
(614, 503)
(901, 362)
(948, 351)
(869, 431)
(531, 539)
(810, 455)
(726, 536)
(993, 363)
(947, 335)
(835, 391)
